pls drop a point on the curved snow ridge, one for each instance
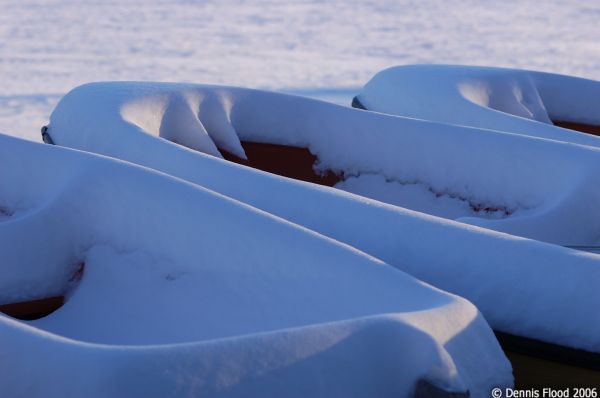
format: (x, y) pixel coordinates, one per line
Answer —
(517, 101)
(362, 357)
(535, 180)
(169, 262)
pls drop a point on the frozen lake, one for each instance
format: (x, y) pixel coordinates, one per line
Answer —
(319, 48)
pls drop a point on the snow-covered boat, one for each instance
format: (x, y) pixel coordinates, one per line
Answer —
(551, 187)
(534, 188)
(185, 292)
(524, 102)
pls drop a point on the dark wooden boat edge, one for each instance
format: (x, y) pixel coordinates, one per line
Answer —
(549, 351)
(33, 309)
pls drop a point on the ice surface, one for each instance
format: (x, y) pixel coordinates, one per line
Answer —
(181, 297)
(48, 47)
(521, 286)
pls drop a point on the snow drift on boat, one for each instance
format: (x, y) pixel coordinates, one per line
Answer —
(517, 101)
(522, 287)
(189, 293)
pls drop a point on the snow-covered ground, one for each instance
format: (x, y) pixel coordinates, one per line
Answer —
(49, 46)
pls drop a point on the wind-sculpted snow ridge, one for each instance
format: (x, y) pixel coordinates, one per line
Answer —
(516, 101)
(181, 297)
(522, 287)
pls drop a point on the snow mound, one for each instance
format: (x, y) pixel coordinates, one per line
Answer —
(521, 286)
(517, 101)
(181, 296)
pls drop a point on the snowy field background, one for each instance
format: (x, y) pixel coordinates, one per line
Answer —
(319, 48)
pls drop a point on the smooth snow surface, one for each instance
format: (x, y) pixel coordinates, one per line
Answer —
(48, 47)
(524, 186)
(523, 287)
(515, 101)
(181, 297)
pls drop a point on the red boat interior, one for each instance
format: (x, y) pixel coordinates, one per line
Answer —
(287, 161)
(584, 128)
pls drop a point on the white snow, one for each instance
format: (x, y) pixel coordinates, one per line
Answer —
(523, 287)
(182, 297)
(47, 47)
(416, 196)
(515, 101)
(315, 302)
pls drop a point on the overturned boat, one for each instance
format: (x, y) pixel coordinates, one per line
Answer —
(527, 186)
